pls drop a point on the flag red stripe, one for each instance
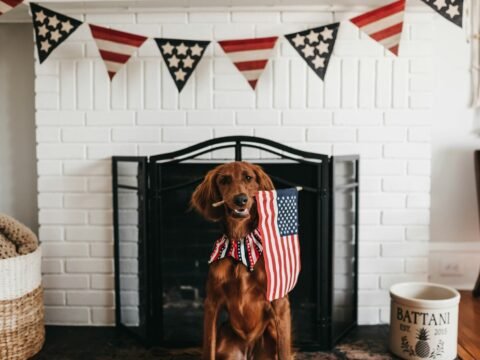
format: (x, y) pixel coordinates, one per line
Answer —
(288, 263)
(276, 267)
(394, 49)
(251, 65)
(248, 44)
(297, 259)
(291, 264)
(262, 203)
(283, 262)
(121, 37)
(387, 32)
(379, 13)
(115, 57)
(12, 3)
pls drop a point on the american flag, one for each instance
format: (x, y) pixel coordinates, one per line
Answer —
(115, 47)
(278, 227)
(7, 5)
(250, 56)
(384, 24)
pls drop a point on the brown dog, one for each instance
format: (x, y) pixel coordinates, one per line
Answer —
(256, 328)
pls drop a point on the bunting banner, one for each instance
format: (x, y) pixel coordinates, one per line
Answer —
(51, 29)
(181, 57)
(7, 5)
(384, 24)
(250, 56)
(115, 47)
(315, 46)
(452, 10)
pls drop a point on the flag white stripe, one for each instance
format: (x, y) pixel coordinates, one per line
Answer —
(391, 41)
(267, 252)
(113, 66)
(297, 251)
(252, 74)
(277, 236)
(115, 47)
(275, 289)
(4, 7)
(291, 260)
(250, 55)
(383, 23)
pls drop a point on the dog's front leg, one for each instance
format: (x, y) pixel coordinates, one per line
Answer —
(211, 309)
(284, 328)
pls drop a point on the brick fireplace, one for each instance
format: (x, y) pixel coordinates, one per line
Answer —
(370, 104)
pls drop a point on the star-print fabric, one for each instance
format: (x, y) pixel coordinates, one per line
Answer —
(451, 10)
(7, 5)
(247, 250)
(182, 57)
(51, 29)
(315, 46)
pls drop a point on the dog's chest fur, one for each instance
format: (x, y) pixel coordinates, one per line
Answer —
(243, 294)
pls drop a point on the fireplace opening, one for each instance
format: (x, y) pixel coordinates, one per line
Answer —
(162, 248)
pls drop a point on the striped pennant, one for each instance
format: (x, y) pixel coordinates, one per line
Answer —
(116, 47)
(250, 56)
(384, 24)
(7, 5)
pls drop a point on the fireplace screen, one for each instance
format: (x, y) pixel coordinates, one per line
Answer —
(162, 248)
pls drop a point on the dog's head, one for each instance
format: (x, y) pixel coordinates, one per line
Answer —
(235, 183)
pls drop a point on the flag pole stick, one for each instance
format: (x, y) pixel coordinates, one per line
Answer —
(220, 203)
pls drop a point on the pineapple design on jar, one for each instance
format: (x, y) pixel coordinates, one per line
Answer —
(422, 348)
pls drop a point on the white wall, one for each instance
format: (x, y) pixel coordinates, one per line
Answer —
(455, 230)
(18, 176)
(366, 105)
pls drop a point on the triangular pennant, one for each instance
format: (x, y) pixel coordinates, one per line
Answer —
(116, 47)
(181, 57)
(51, 29)
(7, 5)
(451, 10)
(384, 24)
(315, 46)
(250, 56)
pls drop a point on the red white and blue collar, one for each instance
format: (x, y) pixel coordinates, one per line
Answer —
(246, 250)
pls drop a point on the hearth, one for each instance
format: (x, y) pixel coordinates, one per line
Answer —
(162, 248)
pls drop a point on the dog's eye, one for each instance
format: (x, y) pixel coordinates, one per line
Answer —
(224, 180)
(248, 177)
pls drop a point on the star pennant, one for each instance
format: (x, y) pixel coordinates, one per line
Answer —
(384, 24)
(7, 5)
(315, 46)
(116, 47)
(51, 29)
(250, 56)
(181, 57)
(451, 10)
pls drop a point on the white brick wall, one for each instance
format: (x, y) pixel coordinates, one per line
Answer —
(370, 103)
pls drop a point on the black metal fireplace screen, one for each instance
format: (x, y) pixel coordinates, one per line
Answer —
(161, 248)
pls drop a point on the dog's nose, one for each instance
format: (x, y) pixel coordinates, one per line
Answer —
(240, 199)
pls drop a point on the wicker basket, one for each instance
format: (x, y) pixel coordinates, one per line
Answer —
(22, 330)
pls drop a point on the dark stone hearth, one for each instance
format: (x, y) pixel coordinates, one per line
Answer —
(101, 343)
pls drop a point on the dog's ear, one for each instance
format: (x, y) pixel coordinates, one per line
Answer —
(205, 195)
(263, 180)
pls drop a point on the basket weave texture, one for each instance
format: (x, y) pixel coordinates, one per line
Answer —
(22, 329)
